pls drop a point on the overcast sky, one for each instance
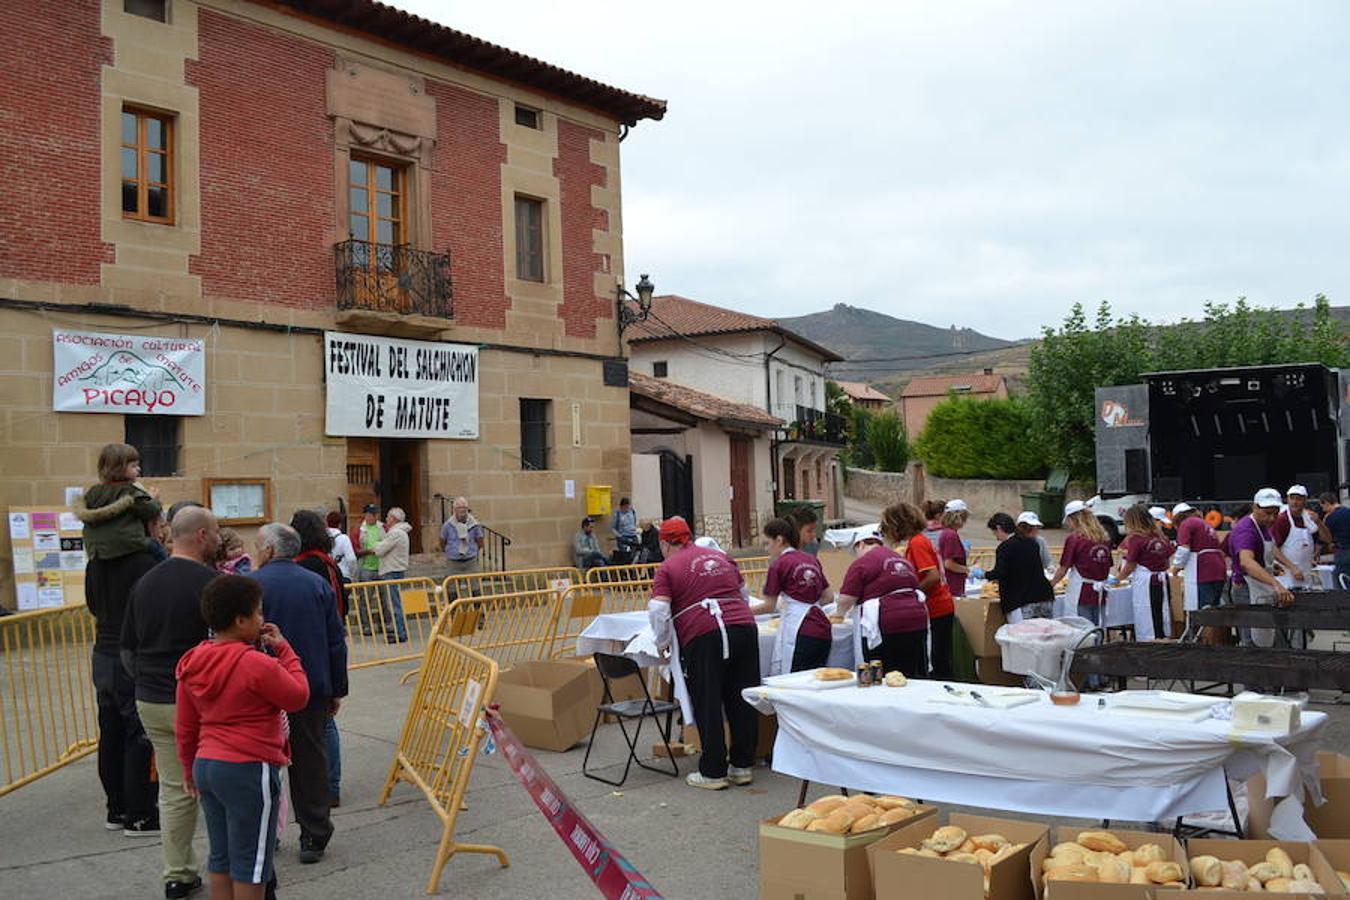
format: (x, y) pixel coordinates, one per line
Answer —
(984, 164)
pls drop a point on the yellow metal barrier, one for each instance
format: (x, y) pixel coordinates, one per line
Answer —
(390, 621)
(509, 628)
(48, 714)
(489, 584)
(753, 569)
(442, 734)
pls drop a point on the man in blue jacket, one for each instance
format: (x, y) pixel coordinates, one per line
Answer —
(302, 606)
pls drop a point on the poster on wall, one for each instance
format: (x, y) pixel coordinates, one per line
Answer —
(128, 373)
(385, 387)
(49, 560)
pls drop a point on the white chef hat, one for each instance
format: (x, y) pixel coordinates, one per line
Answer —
(706, 541)
(867, 534)
(1158, 513)
(1073, 507)
(1296, 489)
(1030, 518)
(1182, 507)
(956, 506)
(1267, 498)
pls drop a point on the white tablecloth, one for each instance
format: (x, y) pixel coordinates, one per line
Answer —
(628, 633)
(1067, 761)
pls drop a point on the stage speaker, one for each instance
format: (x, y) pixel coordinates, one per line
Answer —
(1167, 488)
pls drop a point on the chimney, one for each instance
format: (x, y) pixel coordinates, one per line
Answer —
(988, 371)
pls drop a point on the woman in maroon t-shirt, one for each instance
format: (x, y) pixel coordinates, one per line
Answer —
(886, 578)
(699, 591)
(1087, 561)
(796, 580)
(1148, 553)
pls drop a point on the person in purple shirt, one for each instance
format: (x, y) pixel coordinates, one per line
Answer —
(951, 549)
(1251, 546)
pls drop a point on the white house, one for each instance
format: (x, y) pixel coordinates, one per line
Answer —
(755, 361)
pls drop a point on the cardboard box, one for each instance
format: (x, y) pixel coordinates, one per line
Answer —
(980, 618)
(549, 704)
(1064, 890)
(989, 669)
(629, 688)
(1330, 820)
(803, 865)
(901, 876)
(1253, 852)
(1336, 854)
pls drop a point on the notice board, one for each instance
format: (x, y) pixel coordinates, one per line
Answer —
(48, 550)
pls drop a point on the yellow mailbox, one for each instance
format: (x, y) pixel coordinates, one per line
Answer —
(599, 499)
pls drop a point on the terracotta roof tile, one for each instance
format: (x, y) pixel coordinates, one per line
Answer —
(941, 385)
(856, 390)
(697, 403)
(673, 315)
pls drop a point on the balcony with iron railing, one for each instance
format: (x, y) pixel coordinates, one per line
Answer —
(812, 425)
(383, 280)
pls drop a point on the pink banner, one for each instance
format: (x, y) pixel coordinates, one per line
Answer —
(612, 874)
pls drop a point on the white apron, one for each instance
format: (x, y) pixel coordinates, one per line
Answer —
(1140, 579)
(1301, 550)
(1263, 594)
(1075, 589)
(794, 612)
(1190, 569)
(668, 635)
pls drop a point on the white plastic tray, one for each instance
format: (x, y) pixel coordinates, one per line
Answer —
(807, 681)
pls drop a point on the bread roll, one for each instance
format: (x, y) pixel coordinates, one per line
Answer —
(832, 674)
(1068, 848)
(798, 818)
(857, 807)
(894, 679)
(1004, 852)
(889, 801)
(865, 823)
(837, 822)
(946, 839)
(1114, 871)
(963, 858)
(1264, 871)
(1147, 853)
(1254, 886)
(891, 816)
(967, 846)
(1137, 876)
(931, 854)
(1163, 872)
(827, 804)
(1234, 875)
(1127, 858)
(1073, 872)
(1102, 840)
(990, 841)
(1305, 886)
(1279, 885)
(1303, 872)
(1207, 870)
(1280, 860)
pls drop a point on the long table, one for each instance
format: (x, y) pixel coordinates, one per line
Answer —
(1166, 661)
(1081, 761)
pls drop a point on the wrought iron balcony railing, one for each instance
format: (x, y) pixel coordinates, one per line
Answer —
(819, 426)
(393, 278)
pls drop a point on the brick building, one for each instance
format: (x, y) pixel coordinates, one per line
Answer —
(246, 179)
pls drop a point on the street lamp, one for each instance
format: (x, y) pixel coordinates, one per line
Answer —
(627, 314)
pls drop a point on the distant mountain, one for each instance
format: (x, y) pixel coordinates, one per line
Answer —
(886, 346)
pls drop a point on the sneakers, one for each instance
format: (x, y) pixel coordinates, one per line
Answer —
(310, 852)
(141, 828)
(697, 779)
(115, 821)
(739, 776)
(177, 890)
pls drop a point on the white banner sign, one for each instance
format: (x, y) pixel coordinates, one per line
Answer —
(385, 387)
(128, 374)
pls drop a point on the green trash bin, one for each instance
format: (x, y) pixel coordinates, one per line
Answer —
(1048, 503)
(785, 508)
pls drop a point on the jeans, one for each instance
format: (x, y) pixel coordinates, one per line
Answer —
(124, 752)
(333, 746)
(390, 597)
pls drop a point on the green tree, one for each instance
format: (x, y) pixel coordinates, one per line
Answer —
(1071, 362)
(887, 440)
(970, 438)
(859, 444)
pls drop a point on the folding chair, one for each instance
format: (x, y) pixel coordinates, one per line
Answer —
(613, 667)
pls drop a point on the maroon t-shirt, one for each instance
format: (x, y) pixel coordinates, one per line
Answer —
(692, 575)
(881, 572)
(951, 547)
(1148, 551)
(1092, 560)
(1196, 535)
(799, 576)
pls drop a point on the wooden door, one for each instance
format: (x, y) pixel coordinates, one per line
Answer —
(741, 534)
(677, 486)
(363, 476)
(401, 482)
(787, 485)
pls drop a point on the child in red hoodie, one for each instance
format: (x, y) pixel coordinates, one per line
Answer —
(231, 737)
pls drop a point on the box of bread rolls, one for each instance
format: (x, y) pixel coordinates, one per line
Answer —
(969, 858)
(1231, 868)
(1336, 854)
(819, 852)
(1112, 864)
(1330, 820)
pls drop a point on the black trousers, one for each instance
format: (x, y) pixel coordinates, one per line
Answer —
(902, 651)
(1156, 597)
(308, 776)
(810, 653)
(941, 628)
(124, 752)
(715, 685)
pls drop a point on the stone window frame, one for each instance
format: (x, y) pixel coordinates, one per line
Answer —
(411, 153)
